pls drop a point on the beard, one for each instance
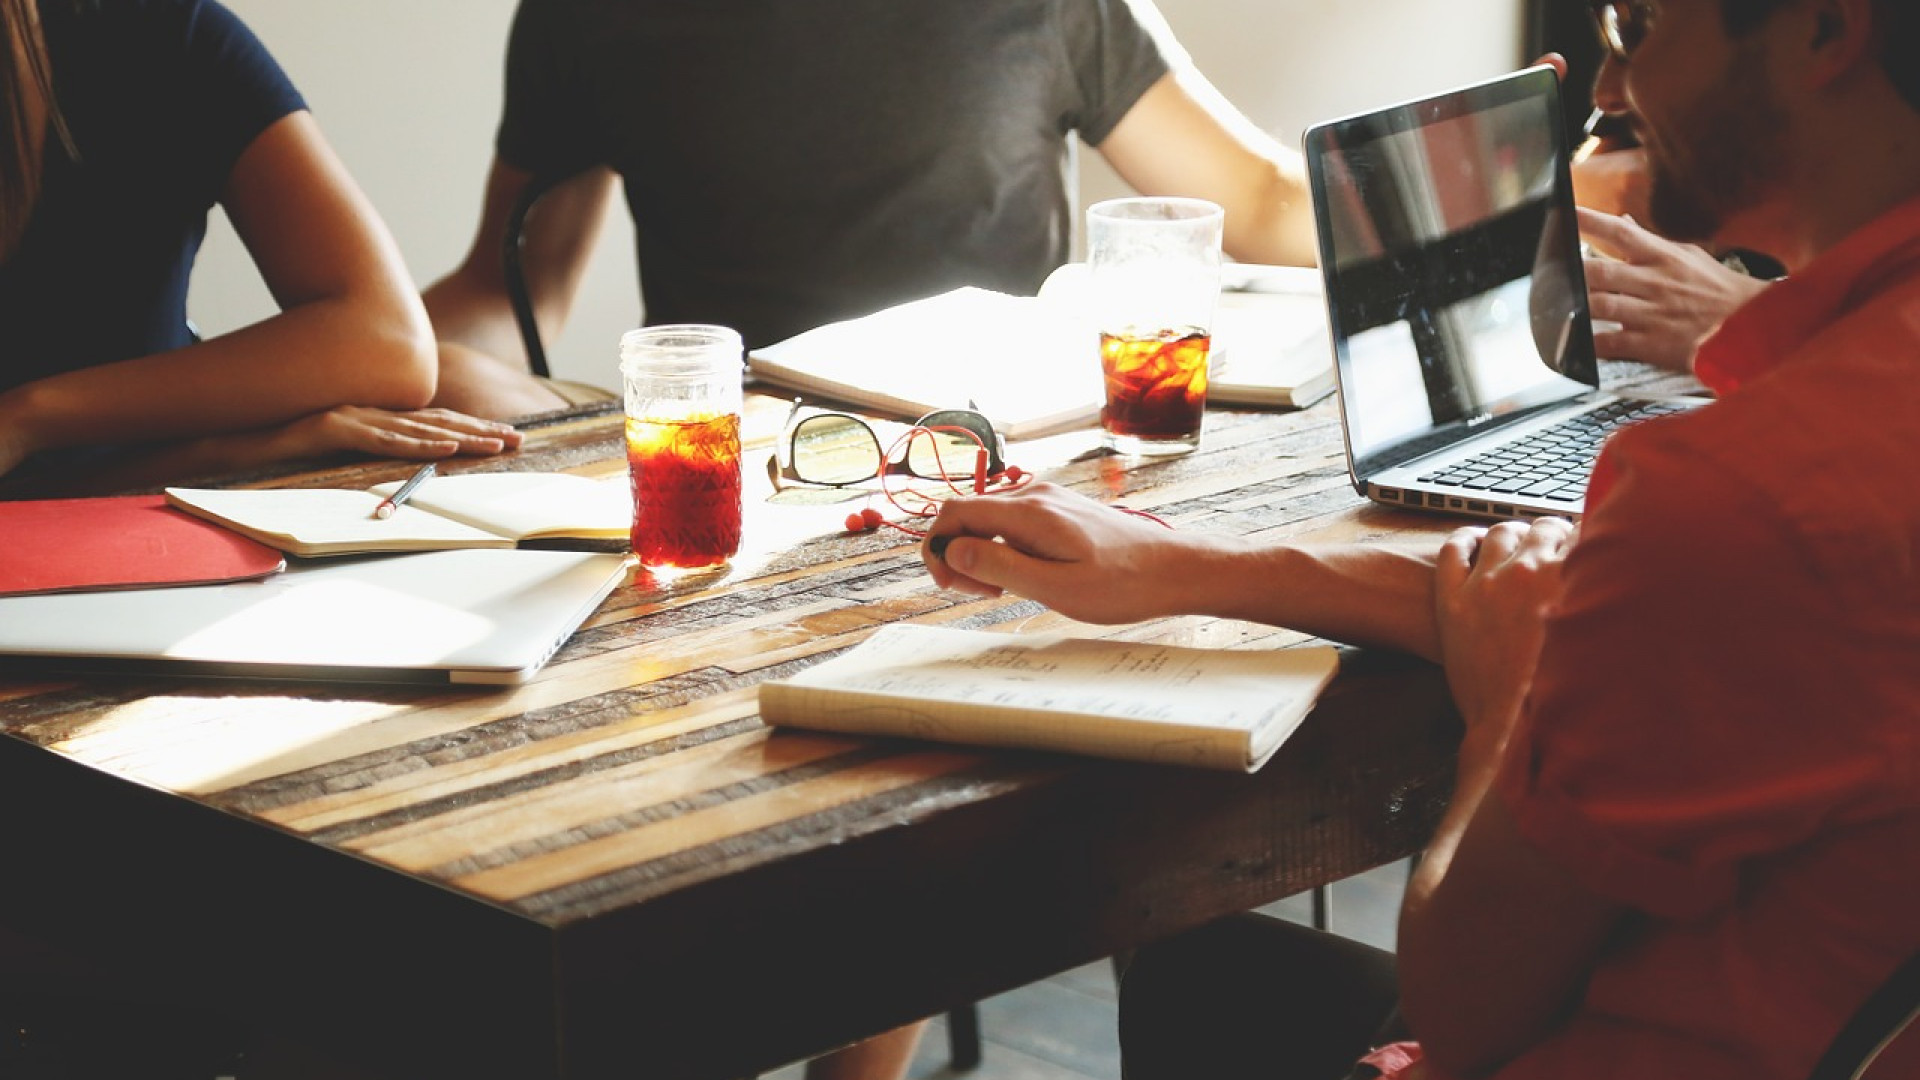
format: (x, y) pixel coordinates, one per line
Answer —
(1717, 155)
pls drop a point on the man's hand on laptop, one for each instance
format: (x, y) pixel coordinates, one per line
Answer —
(1661, 298)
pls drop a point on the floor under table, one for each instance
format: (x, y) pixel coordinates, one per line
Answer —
(1063, 1028)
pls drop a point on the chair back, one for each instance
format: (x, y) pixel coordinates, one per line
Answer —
(516, 276)
(1884, 1016)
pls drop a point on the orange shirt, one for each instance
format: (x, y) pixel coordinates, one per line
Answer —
(1724, 730)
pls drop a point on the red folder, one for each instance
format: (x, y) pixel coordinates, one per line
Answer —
(129, 542)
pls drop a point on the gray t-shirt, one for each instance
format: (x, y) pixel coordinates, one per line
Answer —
(792, 162)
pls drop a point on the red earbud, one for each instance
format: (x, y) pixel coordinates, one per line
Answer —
(866, 520)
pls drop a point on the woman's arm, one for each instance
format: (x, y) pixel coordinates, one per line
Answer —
(351, 329)
(415, 434)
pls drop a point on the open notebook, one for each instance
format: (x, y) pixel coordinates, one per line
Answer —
(473, 510)
(470, 616)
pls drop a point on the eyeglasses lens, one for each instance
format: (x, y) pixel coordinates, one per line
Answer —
(941, 455)
(949, 454)
(1622, 26)
(832, 449)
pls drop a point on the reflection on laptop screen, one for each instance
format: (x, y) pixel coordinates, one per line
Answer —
(1452, 262)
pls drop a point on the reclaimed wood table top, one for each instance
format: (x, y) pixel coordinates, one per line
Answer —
(617, 870)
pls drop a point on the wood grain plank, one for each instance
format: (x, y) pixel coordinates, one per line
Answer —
(18, 691)
(650, 795)
(374, 729)
(733, 818)
(443, 781)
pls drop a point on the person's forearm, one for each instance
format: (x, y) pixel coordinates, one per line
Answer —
(1183, 138)
(475, 314)
(154, 465)
(1480, 756)
(329, 352)
(1362, 594)
(1470, 1010)
(1279, 229)
(1483, 900)
(1497, 937)
(471, 307)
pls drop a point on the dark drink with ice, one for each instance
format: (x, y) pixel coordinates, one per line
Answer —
(1154, 277)
(686, 490)
(683, 443)
(1156, 389)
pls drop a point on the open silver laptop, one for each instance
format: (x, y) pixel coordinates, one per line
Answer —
(1458, 307)
(471, 616)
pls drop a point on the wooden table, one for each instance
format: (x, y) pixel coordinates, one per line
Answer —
(616, 870)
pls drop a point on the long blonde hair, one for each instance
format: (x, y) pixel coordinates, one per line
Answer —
(27, 109)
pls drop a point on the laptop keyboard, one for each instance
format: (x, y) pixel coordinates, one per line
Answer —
(1552, 463)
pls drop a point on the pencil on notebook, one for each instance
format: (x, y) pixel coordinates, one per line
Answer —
(392, 502)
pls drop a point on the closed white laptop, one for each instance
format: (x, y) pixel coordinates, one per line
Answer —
(1458, 304)
(469, 616)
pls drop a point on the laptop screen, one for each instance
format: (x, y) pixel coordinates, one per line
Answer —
(1452, 264)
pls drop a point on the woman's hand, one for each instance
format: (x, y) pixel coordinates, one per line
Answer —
(1493, 589)
(415, 434)
(419, 434)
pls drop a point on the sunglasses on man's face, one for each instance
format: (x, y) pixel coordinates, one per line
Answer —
(1623, 26)
(834, 449)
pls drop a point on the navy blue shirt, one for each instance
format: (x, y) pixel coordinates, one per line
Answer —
(162, 97)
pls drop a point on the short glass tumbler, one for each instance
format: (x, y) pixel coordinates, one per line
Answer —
(683, 395)
(1154, 265)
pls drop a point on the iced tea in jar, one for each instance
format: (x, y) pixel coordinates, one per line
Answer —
(1154, 276)
(683, 443)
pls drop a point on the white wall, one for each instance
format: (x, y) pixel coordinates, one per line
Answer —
(408, 92)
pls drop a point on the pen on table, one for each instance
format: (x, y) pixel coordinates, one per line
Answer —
(392, 502)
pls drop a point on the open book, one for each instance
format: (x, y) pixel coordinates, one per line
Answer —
(1215, 708)
(1020, 361)
(475, 510)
